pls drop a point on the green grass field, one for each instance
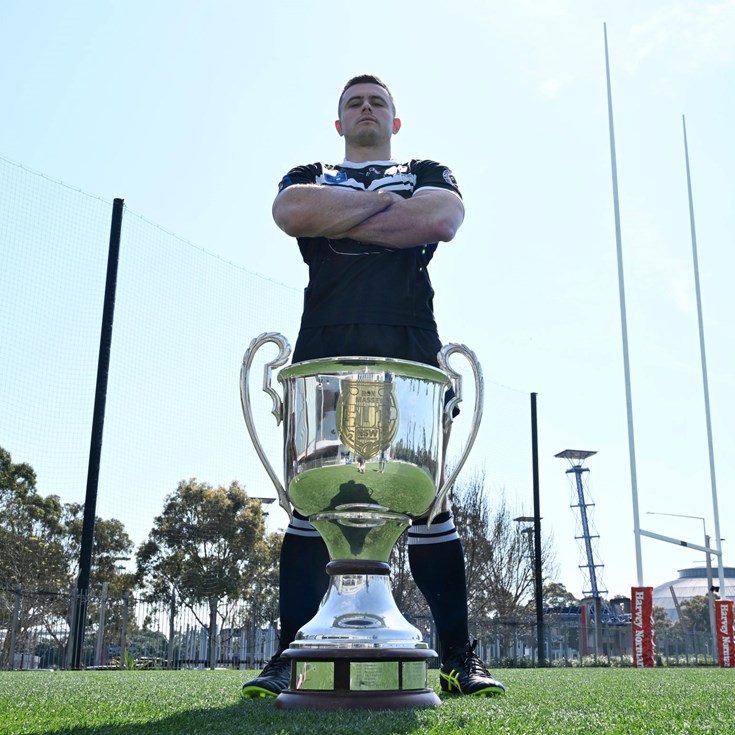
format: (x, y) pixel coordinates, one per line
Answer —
(539, 702)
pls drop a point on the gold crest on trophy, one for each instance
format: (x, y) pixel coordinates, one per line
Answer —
(367, 415)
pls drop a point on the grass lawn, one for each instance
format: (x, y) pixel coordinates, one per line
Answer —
(538, 702)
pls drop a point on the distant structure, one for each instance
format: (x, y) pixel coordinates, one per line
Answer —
(587, 536)
(691, 582)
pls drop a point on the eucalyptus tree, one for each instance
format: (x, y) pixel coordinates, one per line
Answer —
(205, 547)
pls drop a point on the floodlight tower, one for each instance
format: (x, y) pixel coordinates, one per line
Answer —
(576, 457)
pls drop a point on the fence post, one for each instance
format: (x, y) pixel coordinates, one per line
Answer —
(212, 633)
(171, 631)
(253, 628)
(243, 647)
(14, 628)
(124, 634)
(70, 640)
(79, 619)
(101, 628)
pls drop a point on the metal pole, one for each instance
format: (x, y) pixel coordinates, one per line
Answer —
(171, 630)
(70, 640)
(710, 597)
(705, 382)
(14, 629)
(212, 634)
(124, 634)
(538, 579)
(624, 325)
(95, 449)
(586, 534)
(101, 627)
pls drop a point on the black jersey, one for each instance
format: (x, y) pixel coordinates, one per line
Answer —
(352, 282)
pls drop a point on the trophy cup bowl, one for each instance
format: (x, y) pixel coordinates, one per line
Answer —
(363, 454)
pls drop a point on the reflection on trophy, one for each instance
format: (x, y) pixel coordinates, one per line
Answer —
(364, 442)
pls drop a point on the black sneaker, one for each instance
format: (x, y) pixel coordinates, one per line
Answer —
(275, 677)
(464, 673)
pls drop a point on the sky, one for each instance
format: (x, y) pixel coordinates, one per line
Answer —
(192, 112)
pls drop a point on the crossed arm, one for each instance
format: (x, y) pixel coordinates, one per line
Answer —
(380, 218)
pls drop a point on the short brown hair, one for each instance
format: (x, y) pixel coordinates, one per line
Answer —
(365, 79)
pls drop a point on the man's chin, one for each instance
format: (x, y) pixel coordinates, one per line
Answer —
(369, 139)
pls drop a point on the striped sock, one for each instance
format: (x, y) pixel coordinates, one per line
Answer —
(303, 579)
(437, 564)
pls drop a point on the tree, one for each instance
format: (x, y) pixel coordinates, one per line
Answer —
(557, 595)
(204, 547)
(39, 550)
(111, 546)
(557, 603)
(661, 619)
(260, 593)
(31, 553)
(695, 614)
(500, 559)
(30, 528)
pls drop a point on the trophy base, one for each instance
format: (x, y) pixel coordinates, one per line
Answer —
(335, 679)
(358, 652)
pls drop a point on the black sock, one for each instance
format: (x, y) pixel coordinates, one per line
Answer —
(437, 564)
(302, 577)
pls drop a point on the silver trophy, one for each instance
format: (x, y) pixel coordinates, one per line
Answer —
(364, 451)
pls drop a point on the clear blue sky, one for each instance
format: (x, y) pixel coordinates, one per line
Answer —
(192, 111)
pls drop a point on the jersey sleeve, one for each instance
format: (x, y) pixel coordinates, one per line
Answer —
(300, 175)
(433, 175)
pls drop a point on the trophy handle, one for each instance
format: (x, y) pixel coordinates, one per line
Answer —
(456, 378)
(284, 350)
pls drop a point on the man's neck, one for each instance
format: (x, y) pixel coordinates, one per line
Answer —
(359, 154)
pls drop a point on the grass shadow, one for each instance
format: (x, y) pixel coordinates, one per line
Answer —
(260, 717)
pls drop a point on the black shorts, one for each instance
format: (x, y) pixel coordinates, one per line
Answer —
(368, 340)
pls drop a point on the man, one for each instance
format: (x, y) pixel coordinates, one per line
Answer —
(368, 228)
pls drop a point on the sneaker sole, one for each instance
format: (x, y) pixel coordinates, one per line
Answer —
(488, 692)
(258, 693)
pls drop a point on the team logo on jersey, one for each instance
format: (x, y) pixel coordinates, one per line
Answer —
(367, 416)
(396, 170)
(336, 178)
(449, 178)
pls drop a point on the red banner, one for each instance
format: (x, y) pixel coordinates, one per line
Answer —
(644, 632)
(725, 633)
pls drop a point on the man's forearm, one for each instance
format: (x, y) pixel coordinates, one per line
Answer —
(410, 222)
(311, 210)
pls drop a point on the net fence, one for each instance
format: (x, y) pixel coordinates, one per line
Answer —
(183, 318)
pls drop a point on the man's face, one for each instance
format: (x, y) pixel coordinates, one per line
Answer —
(366, 115)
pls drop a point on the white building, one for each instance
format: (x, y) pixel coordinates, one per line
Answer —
(691, 582)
